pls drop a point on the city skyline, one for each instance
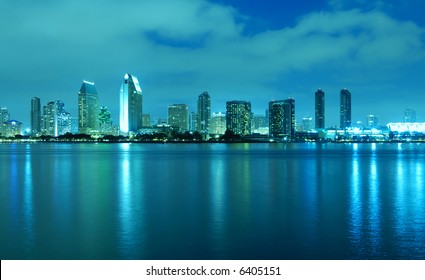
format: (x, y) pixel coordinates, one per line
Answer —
(232, 49)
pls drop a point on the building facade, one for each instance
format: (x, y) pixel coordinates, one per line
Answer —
(204, 113)
(4, 117)
(282, 118)
(319, 109)
(88, 108)
(131, 101)
(409, 115)
(35, 116)
(345, 109)
(55, 120)
(218, 124)
(239, 117)
(178, 117)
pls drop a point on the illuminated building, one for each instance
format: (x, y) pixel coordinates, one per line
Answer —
(4, 117)
(131, 114)
(193, 121)
(307, 124)
(238, 117)
(407, 127)
(88, 108)
(204, 113)
(345, 109)
(56, 120)
(372, 121)
(319, 109)
(146, 120)
(218, 124)
(409, 115)
(178, 117)
(282, 118)
(105, 121)
(12, 128)
(35, 116)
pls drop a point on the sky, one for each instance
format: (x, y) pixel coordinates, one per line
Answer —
(254, 51)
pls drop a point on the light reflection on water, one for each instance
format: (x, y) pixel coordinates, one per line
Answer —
(250, 201)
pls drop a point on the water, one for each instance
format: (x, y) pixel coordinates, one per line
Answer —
(212, 201)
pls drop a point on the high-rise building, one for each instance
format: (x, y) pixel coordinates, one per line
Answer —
(146, 120)
(105, 121)
(63, 117)
(345, 113)
(218, 123)
(372, 121)
(131, 113)
(50, 119)
(56, 120)
(409, 115)
(88, 108)
(307, 124)
(4, 117)
(193, 121)
(178, 117)
(204, 113)
(35, 116)
(239, 117)
(319, 109)
(282, 118)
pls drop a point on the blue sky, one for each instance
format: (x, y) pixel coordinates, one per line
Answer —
(237, 50)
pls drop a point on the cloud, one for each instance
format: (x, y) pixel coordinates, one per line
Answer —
(180, 48)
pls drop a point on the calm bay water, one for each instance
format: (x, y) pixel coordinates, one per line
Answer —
(212, 201)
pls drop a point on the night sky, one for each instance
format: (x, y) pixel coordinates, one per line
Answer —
(236, 49)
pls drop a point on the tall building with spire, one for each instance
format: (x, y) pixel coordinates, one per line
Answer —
(345, 109)
(131, 113)
(204, 113)
(35, 116)
(319, 109)
(88, 108)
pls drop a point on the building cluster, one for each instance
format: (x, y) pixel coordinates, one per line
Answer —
(279, 123)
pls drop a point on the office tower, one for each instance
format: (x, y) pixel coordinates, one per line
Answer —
(4, 117)
(131, 113)
(178, 117)
(146, 120)
(282, 118)
(56, 120)
(218, 123)
(193, 121)
(88, 108)
(105, 121)
(319, 109)
(345, 113)
(276, 115)
(238, 117)
(372, 121)
(204, 113)
(63, 118)
(35, 116)
(12, 128)
(409, 115)
(307, 124)
(50, 119)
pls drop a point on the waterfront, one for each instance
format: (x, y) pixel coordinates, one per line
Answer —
(212, 201)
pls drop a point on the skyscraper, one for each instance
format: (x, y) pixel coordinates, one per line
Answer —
(4, 117)
(88, 108)
(282, 118)
(239, 117)
(204, 113)
(50, 119)
(131, 114)
(319, 109)
(35, 116)
(218, 123)
(178, 117)
(409, 115)
(345, 113)
(56, 120)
